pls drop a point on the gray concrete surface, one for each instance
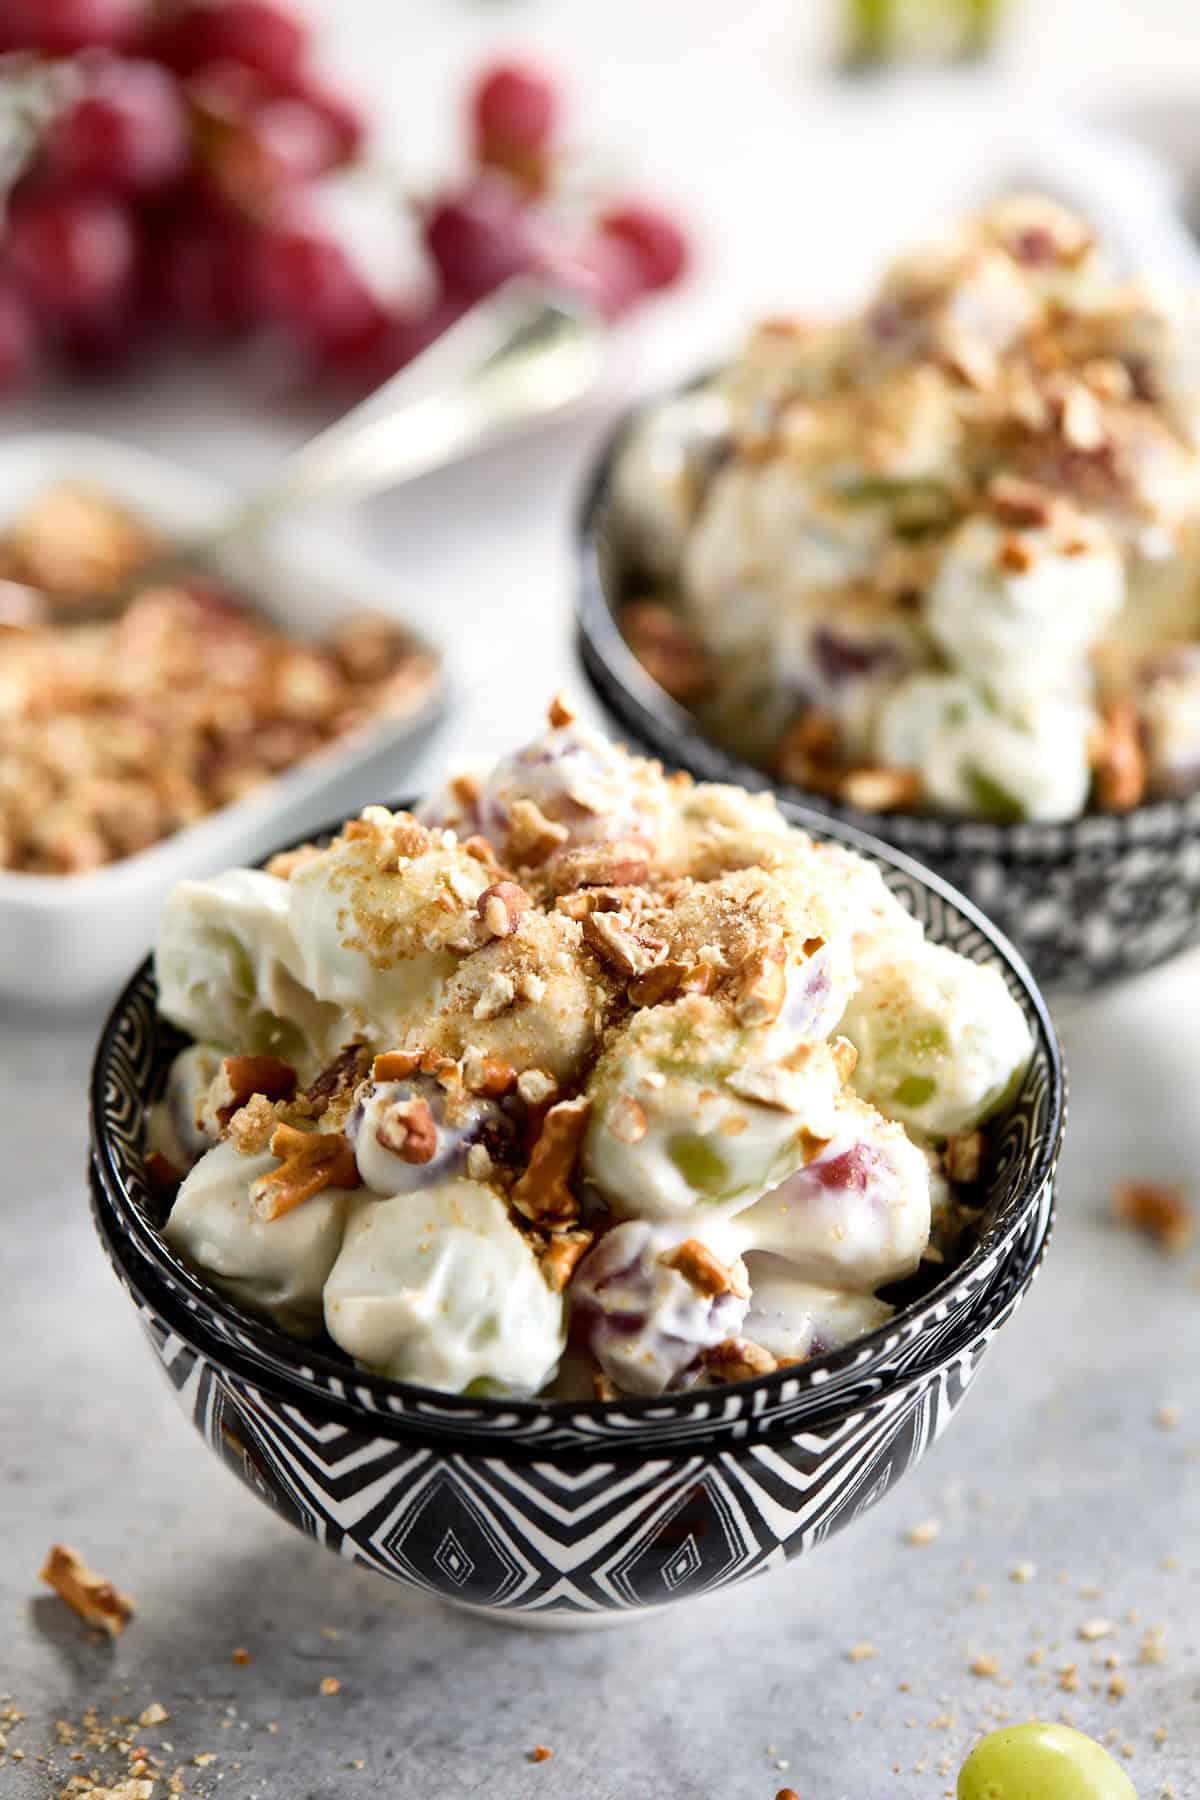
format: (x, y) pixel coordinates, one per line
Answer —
(1060, 1458)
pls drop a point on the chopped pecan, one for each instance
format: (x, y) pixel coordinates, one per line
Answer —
(563, 1254)
(481, 850)
(582, 901)
(396, 1065)
(880, 790)
(667, 650)
(531, 835)
(501, 908)
(559, 712)
(624, 863)
(1160, 1211)
(544, 1194)
(338, 1077)
(407, 1129)
(1021, 503)
(761, 987)
(241, 1077)
(308, 1162)
(620, 945)
(706, 1272)
(95, 1600)
(737, 1359)
(964, 1157)
(1118, 759)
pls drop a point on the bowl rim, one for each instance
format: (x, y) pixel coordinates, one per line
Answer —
(148, 1290)
(816, 1375)
(647, 710)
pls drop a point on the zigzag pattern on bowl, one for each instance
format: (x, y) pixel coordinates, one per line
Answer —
(575, 1535)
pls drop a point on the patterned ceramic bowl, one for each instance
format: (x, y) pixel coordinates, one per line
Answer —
(563, 1513)
(1087, 902)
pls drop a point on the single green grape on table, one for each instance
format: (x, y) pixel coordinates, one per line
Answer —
(1042, 1762)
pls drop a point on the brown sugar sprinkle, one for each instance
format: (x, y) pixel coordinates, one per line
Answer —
(1157, 1209)
(667, 650)
(309, 1162)
(540, 1753)
(93, 1597)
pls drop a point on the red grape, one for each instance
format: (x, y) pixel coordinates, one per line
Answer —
(253, 32)
(127, 128)
(60, 27)
(656, 242)
(74, 252)
(201, 270)
(256, 141)
(514, 107)
(18, 339)
(481, 237)
(300, 279)
(344, 120)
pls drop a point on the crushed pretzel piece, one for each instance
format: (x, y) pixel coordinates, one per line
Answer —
(845, 1057)
(1158, 1210)
(396, 1065)
(531, 835)
(667, 650)
(501, 908)
(407, 1130)
(308, 1162)
(241, 1077)
(1118, 757)
(737, 1359)
(603, 1387)
(560, 712)
(95, 1599)
(543, 1193)
(284, 865)
(705, 1271)
(562, 1255)
(963, 1157)
(540, 1753)
(484, 1074)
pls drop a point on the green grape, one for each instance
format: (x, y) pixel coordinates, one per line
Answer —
(701, 1166)
(1042, 1762)
(993, 802)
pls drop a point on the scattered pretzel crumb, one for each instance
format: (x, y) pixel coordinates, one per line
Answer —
(1158, 1210)
(1168, 1417)
(924, 1533)
(1023, 1572)
(330, 1685)
(1092, 1630)
(540, 1753)
(705, 1271)
(90, 1595)
(984, 1666)
(241, 1656)
(862, 1652)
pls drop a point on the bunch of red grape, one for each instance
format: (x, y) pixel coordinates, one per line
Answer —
(169, 183)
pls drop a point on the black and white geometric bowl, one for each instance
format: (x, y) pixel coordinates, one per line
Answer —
(1087, 902)
(575, 1513)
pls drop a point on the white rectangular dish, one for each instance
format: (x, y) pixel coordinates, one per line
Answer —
(67, 940)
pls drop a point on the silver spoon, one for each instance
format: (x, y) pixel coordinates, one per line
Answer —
(521, 356)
